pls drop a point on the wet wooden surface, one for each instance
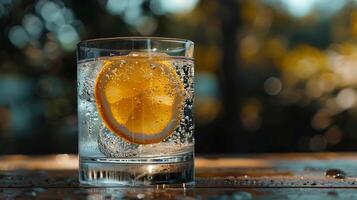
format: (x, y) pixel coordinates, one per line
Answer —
(265, 176)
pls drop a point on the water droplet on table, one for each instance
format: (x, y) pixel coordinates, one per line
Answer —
(39, 189)
(332, 193)
(30, 193)
(335, 173)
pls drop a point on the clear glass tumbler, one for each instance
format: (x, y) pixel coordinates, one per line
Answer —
(135, 97)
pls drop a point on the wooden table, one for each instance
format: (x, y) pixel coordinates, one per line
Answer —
(265, 176)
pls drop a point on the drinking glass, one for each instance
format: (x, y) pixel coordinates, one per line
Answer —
(135, 97)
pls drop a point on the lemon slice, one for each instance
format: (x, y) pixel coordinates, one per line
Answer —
(139, 96)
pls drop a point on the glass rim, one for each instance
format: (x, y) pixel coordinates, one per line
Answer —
(135, 38)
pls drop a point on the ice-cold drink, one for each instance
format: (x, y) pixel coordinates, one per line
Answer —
(135, 119)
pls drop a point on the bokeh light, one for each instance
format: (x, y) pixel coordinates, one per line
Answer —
(18, 36)
(207, 104)
(272, 86)
(175, 6)
(271, 75)
(67, 36)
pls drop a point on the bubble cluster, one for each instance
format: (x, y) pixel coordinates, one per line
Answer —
(113, 146)
(87, 73)
(184, 132)
(88, 118)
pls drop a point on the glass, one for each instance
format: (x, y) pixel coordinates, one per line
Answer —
(135, 97)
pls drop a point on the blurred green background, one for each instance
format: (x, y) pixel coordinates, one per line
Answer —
(271, 75)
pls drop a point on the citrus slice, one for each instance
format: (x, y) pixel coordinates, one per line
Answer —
(139, 96)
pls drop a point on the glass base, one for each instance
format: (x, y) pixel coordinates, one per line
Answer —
(173, 170)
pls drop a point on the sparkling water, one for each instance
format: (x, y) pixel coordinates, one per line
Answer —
(98, 146)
